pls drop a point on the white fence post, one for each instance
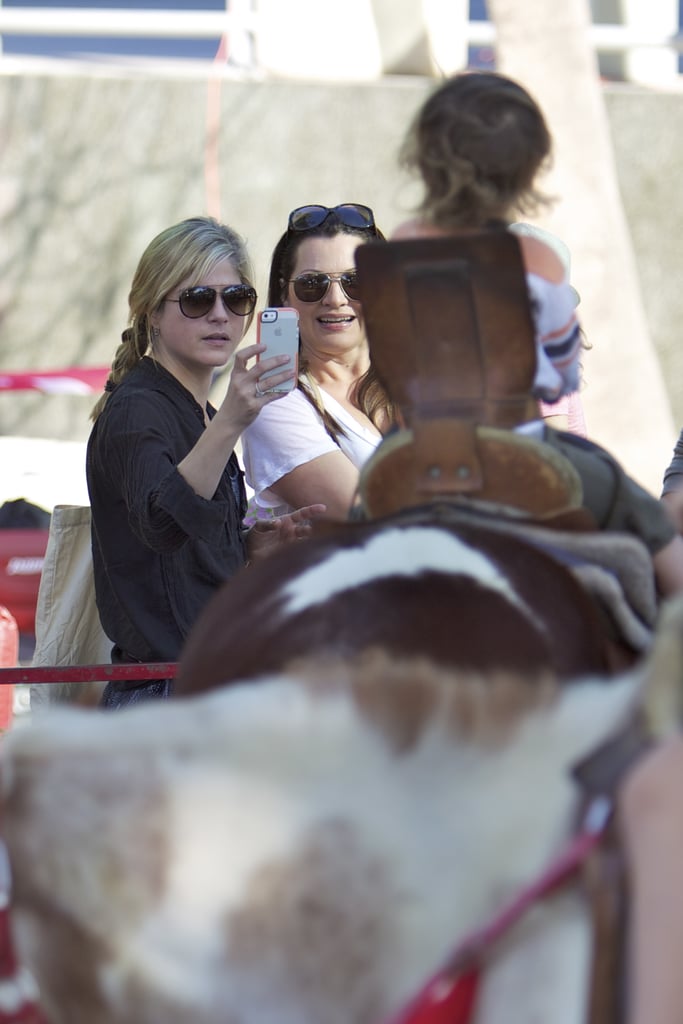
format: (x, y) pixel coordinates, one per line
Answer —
(447, 24)
(241, 52)
(651, 65)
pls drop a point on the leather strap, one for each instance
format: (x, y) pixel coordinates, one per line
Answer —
(605, 875)
(602, 771)
(605, 883)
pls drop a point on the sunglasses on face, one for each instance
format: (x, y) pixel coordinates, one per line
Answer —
(239, 299)
(351, 215)
(313, 287)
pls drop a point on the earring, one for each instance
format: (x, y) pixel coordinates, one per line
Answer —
(155, 333)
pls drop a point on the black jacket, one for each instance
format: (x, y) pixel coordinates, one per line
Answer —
(159, 550)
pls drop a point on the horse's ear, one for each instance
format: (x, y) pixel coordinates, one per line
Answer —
(449, 459)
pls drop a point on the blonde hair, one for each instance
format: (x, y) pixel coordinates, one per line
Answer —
(478, 143)
(187, 251)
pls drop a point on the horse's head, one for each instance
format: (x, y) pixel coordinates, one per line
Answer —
(306, 850)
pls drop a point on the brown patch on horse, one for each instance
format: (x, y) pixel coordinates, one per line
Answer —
(66, 958)
(402, 698)
(123, 826)
(319, 923)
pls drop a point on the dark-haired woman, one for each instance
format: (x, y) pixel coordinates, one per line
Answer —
(310, 446)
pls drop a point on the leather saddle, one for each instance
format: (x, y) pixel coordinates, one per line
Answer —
(452, 339)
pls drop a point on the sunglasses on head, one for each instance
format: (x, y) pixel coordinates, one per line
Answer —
(313, 287)
(351, 215)
(239, 299)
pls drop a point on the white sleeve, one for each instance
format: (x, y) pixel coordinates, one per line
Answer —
(554, 310)
(285, 434)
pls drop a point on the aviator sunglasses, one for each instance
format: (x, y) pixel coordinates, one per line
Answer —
(239, 299)
(351, 215)
(312, 287)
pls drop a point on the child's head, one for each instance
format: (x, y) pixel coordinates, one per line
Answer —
(478, 143)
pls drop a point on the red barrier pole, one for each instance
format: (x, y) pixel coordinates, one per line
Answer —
(88, 673)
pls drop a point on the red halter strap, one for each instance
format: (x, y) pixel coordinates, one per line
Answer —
(449, 996)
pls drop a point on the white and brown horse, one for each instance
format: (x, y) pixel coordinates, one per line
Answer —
(309, 850)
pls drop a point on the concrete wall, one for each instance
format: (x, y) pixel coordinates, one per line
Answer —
(647, 134)
(92, 167)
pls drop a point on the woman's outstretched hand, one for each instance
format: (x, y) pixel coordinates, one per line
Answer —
(266, 535)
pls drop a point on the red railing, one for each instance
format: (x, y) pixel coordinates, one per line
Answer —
(88, 673)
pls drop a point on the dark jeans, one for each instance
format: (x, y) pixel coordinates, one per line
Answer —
(123, 693)
(117, 696)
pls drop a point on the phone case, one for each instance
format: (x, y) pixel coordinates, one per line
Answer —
(278, 330)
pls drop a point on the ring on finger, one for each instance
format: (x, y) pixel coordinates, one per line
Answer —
(257, 391)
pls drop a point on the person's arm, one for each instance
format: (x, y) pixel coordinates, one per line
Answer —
(204, 465)
(287, 452)
(673, 503)
(331, 479)
(672, 486)
(668, 566)
(267, 535)
(650, 812)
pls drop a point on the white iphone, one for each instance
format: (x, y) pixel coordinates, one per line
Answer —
(278, 330)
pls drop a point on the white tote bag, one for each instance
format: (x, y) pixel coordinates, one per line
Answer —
(68, 628)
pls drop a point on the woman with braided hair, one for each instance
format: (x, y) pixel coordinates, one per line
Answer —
(166, 489)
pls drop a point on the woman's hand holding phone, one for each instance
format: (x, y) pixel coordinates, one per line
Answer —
(278, 331)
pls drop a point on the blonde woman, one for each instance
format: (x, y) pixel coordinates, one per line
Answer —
(166, 489)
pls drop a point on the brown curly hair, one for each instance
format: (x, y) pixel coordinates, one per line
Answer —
(478, 143)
